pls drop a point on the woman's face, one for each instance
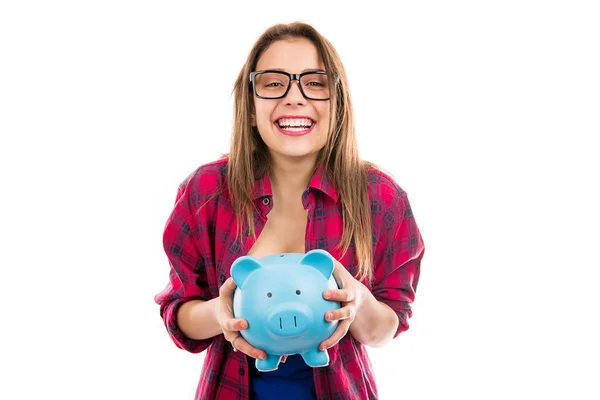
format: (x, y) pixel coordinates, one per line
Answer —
(275, 118)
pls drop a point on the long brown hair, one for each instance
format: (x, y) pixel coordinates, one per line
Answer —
(249, 155)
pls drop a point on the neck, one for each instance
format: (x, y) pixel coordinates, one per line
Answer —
(290, 177)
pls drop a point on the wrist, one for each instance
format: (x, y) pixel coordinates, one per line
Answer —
(213, 305)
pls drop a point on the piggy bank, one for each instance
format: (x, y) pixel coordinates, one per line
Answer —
(281, 297)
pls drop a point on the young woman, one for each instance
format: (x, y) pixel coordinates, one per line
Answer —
(292, 182)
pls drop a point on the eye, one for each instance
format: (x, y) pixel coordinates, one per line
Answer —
(269, 294)
(298, 292)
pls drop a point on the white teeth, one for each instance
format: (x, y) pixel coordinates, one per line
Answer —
(294, 129)
(293, 122)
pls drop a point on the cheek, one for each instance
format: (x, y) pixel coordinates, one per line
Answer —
(263, 115)
(264, 129)
(323, 111)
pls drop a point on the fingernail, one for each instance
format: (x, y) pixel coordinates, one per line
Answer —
(326, 294)
(328, 316)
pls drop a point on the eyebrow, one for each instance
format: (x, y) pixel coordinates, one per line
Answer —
(303, 71)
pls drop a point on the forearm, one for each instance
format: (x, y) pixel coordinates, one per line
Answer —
(197, 319)
(375, 323)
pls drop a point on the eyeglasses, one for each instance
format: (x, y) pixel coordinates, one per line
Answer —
(268, 84)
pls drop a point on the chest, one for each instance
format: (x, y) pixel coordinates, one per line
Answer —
(282, 233)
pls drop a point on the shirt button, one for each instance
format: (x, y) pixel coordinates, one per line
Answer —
(241, 371)
(266, 201)
(222, 278)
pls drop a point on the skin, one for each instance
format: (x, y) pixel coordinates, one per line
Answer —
(369, 321)
(292, 57)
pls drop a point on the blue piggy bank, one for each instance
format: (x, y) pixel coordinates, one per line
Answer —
(281, 297)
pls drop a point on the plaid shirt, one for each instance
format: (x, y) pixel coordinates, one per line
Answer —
(201, 247)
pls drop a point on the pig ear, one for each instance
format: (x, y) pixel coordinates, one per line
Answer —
(242, 267)
(321, 260)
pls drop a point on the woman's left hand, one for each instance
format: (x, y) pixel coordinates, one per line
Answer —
(350, 294)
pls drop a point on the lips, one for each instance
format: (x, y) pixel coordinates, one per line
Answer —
(294, 125)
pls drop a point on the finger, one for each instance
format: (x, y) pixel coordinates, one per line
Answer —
(248, 349)
(235, 324)
(226, 299)
(338, 273)
(230, 336)
(345, 312)
(343, 295)
(226, 290)
(338, 334)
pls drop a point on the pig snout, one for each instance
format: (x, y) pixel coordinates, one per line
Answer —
(289, 319)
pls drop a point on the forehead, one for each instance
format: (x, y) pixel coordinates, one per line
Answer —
(293, 56)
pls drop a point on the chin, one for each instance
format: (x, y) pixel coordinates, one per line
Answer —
(297, 153)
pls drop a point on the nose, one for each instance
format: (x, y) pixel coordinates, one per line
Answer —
(294, 95)
(289, 319)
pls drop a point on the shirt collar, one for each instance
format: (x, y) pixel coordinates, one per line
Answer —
(320, 181)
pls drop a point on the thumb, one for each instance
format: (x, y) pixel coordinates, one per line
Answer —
(231, 283)
(338, 274)
(227, 288)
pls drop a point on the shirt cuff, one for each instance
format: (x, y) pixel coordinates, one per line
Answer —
(403, 312)
(169, 314)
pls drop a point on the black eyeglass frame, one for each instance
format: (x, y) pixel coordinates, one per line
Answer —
(292, 77)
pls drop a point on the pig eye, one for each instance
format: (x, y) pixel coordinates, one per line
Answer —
(298, 292)
(269, 294)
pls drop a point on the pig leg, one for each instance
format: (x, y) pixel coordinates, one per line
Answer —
(316, 358)
(270, 364)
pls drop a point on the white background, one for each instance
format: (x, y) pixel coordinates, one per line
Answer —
(487, 113)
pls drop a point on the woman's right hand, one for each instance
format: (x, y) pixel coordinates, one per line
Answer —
(231, 326)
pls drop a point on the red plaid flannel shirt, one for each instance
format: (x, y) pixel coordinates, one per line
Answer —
(201, 248)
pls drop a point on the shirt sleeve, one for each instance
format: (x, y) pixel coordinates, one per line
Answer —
(398, 253)
(187, 276)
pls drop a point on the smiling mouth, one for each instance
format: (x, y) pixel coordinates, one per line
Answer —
(295, 125)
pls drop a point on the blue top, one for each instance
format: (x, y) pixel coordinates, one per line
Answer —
(293, 378)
